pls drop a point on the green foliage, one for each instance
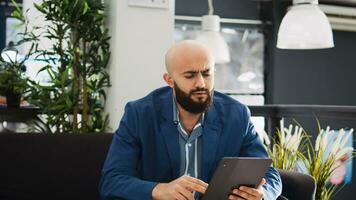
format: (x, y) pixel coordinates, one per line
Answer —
(12, 78)
(74, 99)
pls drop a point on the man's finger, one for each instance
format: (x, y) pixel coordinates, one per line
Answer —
(194, 186)
(243, 194)
(196, 181)
(263, 181)
(186, 193)
(179, 196)
(251, 191)
(234, 197)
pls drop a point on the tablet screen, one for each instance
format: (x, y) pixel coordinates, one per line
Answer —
(234, 172)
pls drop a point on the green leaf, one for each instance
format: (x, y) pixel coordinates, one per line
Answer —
(68, 102)
(64, 76)
(86, 8)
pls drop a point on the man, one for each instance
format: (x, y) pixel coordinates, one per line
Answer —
(169, 143)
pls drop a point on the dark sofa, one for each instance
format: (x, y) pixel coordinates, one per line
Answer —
(46, 166)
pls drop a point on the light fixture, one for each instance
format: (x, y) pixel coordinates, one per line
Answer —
(212, 38)
(10, 54)
(246, 76)
(305, 26)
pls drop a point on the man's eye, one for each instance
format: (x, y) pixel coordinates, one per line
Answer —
(206, 74)
(189, 76)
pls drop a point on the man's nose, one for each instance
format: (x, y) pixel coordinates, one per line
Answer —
(200, 82)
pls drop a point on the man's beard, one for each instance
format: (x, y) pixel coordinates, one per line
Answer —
(186, 101)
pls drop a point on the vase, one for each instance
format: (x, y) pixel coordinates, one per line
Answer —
(13, 100)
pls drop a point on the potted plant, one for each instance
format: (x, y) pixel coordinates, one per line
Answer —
(329, 153)
(13, 82)
(323, 159)
(74, 98)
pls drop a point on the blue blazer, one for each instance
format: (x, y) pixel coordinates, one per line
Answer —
(145, 147)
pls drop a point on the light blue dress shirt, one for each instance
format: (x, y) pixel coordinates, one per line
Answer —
(190, 146)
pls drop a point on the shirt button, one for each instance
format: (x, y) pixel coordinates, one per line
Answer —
(189, 145)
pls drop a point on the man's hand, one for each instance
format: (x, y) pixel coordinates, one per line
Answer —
(182, 188)
(248, 193)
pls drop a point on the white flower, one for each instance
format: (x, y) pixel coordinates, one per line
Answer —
(296, 130)
(336, 145)
(292, 141)
(300, 137)
(290, 128)
(317, 142)
(288, 136)
(324, 140)
(282, 131)
(346, 138)
(265, 137)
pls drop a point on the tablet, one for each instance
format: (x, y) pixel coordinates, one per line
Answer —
(233, 172)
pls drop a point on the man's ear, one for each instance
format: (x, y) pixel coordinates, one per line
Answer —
(168, 79)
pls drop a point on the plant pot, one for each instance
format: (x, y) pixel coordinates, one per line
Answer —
(13, 100)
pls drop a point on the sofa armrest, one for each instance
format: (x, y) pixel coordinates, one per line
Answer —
(297, 185)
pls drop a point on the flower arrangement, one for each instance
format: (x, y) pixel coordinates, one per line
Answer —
(321, 163)
(294, 150)
(286, 148)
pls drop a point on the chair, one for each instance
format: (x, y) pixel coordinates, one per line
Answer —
(297, 186)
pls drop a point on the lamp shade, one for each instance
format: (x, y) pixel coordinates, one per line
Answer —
(212, 38)
(305, 26)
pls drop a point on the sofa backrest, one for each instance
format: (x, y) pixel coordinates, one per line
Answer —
(51, 166)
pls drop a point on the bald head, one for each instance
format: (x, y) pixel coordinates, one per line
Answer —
(189, 52)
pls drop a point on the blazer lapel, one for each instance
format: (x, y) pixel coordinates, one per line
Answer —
(211, 135)
(169, 132)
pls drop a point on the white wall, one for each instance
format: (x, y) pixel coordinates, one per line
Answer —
(36, 18)
(140, 38)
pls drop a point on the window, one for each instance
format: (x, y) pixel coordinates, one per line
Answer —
(243, 77)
